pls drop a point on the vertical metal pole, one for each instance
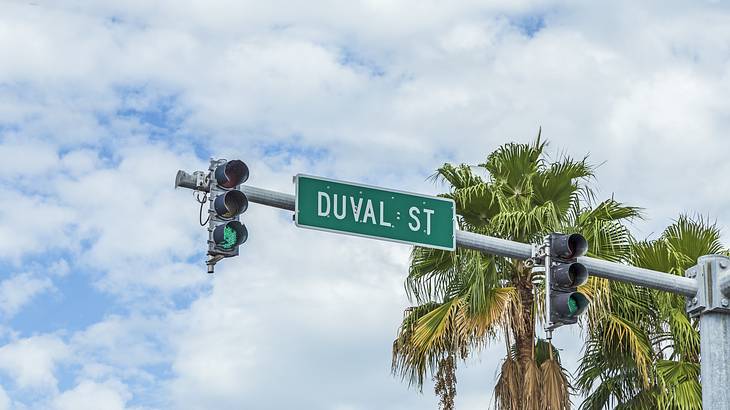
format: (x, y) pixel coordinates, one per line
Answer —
(548, 323)
(714, 360)
(712, 305)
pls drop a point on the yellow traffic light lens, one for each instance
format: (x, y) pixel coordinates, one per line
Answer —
(230, 204)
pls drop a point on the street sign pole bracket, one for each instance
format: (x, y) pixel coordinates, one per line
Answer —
(708, 272)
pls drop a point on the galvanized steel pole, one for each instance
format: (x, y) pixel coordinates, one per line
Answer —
(269, 198)
(714, 360)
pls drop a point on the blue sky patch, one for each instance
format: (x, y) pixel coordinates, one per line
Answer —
(288, 150)
(529, 24)
(73, 305)
(351, 58)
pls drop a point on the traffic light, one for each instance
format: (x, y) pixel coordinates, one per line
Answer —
(564, 274)
(227, 203)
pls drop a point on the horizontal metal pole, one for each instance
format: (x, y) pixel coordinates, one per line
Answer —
(269, 198)
(596, 267)
(494, 246)
(640, 276)
(516, 250)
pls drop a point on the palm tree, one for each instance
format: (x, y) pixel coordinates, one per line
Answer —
(466, 299)
(643, 350)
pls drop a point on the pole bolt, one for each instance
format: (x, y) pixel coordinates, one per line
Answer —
(725, 303)
(694, 301)
(723, 264)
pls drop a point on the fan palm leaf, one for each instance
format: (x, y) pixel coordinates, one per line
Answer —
(465, 299)
(658, 368)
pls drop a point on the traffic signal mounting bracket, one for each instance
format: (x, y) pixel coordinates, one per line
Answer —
(708, 273)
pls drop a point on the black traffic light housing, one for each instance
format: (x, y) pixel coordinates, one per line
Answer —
(564, 274)
(227, 203)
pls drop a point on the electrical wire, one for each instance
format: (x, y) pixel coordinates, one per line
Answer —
(202, 202)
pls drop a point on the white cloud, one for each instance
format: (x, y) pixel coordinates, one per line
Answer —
(89, 395)
(26, 158)
(125, 343)
(31, 362)
(132, 219)
(31, 224)
(5, 402)
(17, 291)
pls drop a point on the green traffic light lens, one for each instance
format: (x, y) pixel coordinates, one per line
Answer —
(572, 305)
(230, 237)
(577, 303)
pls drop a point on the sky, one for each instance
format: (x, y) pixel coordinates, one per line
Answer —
(104, 298)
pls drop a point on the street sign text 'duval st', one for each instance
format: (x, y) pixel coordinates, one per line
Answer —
(373, 212)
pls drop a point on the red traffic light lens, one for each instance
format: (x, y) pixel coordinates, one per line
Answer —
(231, 173)
(568, 246)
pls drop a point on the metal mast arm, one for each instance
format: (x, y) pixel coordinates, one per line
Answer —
(510, 249)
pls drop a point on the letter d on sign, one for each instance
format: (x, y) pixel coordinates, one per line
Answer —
(320, 211)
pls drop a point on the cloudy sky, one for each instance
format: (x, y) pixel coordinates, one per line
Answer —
(104, 299)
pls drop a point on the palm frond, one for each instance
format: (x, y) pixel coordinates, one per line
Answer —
(612, 210)
(628, 336)
(459, 177)
(555, 386)
(688, 239)
(681, 388)
(685, 339)
(531, 385)
(507, 390)
(512, 162)
(429, 332)
(525, 225)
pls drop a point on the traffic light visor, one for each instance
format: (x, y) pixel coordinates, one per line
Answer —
(229, 235)
(230, 204)
(231, 173)
(578, 274)
(569, 274)
(568, 246)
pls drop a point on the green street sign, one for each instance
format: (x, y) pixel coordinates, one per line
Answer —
(372, 212)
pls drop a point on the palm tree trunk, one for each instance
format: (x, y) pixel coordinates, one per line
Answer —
(525, 343)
